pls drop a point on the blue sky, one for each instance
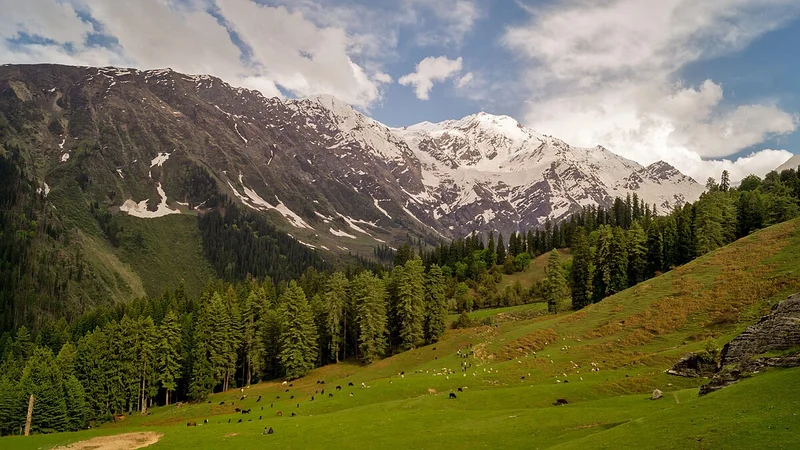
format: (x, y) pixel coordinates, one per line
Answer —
(706, 85)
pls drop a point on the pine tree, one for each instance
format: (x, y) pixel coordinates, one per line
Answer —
(435, 305)
(409, 308)
(336, 302)
(636, 241)
(42, 379)
(725, 181)
(76, 406)
(491, 253)
(269, 332)
(619, 261)
(501, 250)
(581, 269)
(655, 250)
(369, 297)
(168, 356)
(603, 263)
(555, 283)
(299, 337)
(252, 346)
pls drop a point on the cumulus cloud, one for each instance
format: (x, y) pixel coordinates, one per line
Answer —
(429, 71)
(264, 47)
(609, 73)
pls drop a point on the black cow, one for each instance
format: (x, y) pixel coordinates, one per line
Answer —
(278, 397)
(240, 421)
(330, 395)
(221, 403)
(237, 409)
(258, 399)
(460, 390)
(205, 421)
(350, 383)
(338, 388)
(229, 420)
(312, 398)
(259, 417)
(270, 431)
(286, 390)
(323, 391)
(293, 414)
(292, 397)
(560, 402)
(452, 395)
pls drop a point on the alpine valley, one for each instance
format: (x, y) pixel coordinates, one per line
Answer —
(137, 172)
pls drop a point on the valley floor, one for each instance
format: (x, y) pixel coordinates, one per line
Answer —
(604, 361)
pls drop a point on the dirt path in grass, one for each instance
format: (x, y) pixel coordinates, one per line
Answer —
(127, 441)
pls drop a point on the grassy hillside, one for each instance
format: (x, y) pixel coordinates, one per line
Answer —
(604, 360)
(533, 273)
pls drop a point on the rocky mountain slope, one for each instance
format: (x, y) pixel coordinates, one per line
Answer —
(155, 143)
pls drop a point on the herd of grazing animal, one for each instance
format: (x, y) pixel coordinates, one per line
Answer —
(269, 430)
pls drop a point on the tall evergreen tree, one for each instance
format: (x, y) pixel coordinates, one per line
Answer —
(619, 261)
(555, 283)
(581, 269)
(42, 379)
(369, 297)
(636, 241)
(603, 264)
(299, 337)
(336, 302)
(435, 305)
(501, 250)
(168, 355)
(409, 308)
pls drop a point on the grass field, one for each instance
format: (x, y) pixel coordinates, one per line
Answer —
(604, 360)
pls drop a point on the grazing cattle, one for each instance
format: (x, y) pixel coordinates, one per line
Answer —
(229, 420)
(561, 402)
(460, 390)
(259, 417)
(351, 394)
(434, 348)
(298, 405)
(452, 395)
(270, 431)
(330, 395)
(284, 383)
(350, 383)
(290, 385)
(321, 381)
(191, 424)
(237, 409)
(258, 399)
(286, 390)
(338, 388)
(566, 381)
(292, 397)
(431, 391)
(205, 421)
(245, 411)
(293, 414)
(312, 398)
(240, 421)
(221, 403)
(323, 391)
(280, 413)
(278, 397)
(402, 373)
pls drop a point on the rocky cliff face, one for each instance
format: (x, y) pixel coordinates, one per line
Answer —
(772, 342)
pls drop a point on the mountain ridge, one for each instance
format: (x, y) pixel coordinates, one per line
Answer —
(327, 170)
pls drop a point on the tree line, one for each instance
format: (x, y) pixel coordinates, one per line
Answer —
(156, 351)
(614, 250)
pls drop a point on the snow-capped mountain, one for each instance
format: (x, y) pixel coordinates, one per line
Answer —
(336, 179)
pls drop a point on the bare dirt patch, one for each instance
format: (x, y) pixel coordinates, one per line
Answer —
(127, 441)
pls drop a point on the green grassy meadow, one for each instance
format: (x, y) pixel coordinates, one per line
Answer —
(604, 360)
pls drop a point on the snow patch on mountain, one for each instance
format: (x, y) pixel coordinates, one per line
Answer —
(140, 209)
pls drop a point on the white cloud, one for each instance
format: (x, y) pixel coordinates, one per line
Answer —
(609, 73)
(285, 49)
(456, 19)
(429, 71)
(465, 80)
